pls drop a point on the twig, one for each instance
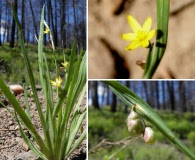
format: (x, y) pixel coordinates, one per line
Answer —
(107, 144)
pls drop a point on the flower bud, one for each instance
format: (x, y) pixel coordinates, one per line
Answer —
(133, 115)
(134, 124)
(149, 136)
(135, 127)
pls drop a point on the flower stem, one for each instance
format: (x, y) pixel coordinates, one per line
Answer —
(155, 57)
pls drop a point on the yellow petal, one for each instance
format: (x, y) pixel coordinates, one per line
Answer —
(133, 45)
(151, 34)
(59, 80)
(135, 26)
(128, 36)
(147, 24)
(145, 43)
(53, 83)
(46, 31)
(65, 64)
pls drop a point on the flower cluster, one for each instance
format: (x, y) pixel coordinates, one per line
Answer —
(65, 64)
(137, 128)
(57, 82)
(47, 31)
(141, 35)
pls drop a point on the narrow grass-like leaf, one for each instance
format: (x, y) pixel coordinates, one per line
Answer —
(71, 133)
(74, 128)
(149, 59)
(44, 83)
(68, 81)
(22, 115)
(28, 141)
(77, 143)
(81, 97)
(163, 7)
(71, 98)
(26, 102)
(58, 107)
(48, 153)
(28, 65)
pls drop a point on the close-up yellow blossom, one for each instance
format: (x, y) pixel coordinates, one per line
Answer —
(141, 35)
(47, 31)
(65, 64)
(57, 82)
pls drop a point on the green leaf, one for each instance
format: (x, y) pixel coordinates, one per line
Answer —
(22, 115)
(153, 59)
(28, 141)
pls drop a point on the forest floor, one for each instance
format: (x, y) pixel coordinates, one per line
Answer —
(107, 57)
(13, 147)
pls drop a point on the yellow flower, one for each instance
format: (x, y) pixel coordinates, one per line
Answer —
(57, 82)
(65, 64)
(47, 31)
(141, 35)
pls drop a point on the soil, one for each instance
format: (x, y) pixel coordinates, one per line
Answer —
(106, 50)
(12, 146)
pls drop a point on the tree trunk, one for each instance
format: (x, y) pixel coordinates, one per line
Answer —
(0, 22)
(113, 105)
(56, 24)
(33, 16)
(83, 29)
(63, 23)
(23, 18)
(50, 13)
(95, 102)
(75, 21)
(13, 28)
(157, 95)
(171, 93)
(182, 99)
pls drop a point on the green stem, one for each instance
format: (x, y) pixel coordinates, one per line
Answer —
(155, 57)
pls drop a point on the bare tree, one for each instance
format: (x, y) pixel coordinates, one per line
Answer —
(95, 102)
(182, 96)
(33, 17)
(114, 103)
(0, 22)
(23, 17)
(13, 28)
(63, 22)
(170, 85)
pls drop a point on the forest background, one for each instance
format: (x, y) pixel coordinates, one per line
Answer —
(67, 22)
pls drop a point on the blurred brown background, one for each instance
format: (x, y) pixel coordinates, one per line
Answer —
(107, 57)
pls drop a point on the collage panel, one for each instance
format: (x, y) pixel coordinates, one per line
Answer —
(139, 120)
(134, 39)
(43, 80)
